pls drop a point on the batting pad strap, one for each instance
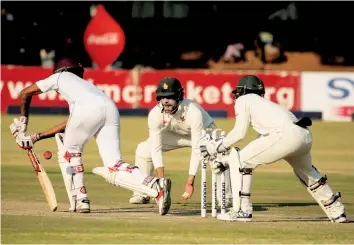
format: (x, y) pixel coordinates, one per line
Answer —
(77, 169)
(242, 194)
(319, 183)
(123, 166)
(246, 171)
(79, 190)
(69, 155)
(148, 180)
(332, 200)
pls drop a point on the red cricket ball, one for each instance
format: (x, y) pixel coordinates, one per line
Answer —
(47, 155)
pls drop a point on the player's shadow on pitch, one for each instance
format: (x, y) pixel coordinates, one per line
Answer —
(266, 206)
(175, 212)
(257, 207)
(126, 210)
(196, 206)
(193, 209)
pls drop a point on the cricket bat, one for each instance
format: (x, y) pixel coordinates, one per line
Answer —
(44, 180)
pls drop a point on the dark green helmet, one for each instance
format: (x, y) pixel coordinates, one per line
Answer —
(249, 84)
(169, 87)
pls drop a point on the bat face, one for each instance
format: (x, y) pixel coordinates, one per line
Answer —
(44, 180)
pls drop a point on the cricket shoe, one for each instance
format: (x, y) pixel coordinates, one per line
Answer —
(138, 199)
(341, 218)
(163, 199)
(83, 206)
(235, 216)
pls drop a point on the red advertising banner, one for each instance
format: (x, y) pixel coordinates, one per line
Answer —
(118, 85)
(213, 89)
(133, 89)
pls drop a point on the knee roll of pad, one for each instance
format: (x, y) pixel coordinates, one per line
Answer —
(143, 151)
(123, 166)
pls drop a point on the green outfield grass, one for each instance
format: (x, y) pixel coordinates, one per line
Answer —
(284, 211)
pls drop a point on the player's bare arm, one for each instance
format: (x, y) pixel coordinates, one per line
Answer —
(60, 128)
(26, 98)
(160, 172)
(19, 126)
(25, 102)
(189, 188)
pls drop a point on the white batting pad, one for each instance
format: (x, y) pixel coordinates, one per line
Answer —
(125, 180)
(66, 170)
(325, 197)
(236, 179)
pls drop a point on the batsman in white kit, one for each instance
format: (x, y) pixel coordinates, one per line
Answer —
(92, 114)
(280, 136)
(174, 123)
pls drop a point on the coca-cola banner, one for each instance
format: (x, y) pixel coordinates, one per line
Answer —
(134, 89)
(104, 38)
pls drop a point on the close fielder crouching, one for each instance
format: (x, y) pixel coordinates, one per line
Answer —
(174, 123)
(281, 136)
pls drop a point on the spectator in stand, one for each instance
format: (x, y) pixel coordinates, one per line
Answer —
(47, 58)
(234, 53)
(269, 49)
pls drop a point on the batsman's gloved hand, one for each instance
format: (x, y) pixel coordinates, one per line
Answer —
(219, 164)
(27, 141)
(19, 126)
(212, 147)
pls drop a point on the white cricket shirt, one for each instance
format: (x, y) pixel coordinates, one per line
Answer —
(264, 116)
(188, 121)
(72, 88)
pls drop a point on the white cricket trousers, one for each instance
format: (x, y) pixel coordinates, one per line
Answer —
(100, 119)
(291, 143)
